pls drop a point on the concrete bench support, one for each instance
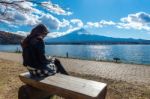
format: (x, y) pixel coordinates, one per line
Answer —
(29, 92)
(62, 85)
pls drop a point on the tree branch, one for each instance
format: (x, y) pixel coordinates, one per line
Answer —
(15, 5)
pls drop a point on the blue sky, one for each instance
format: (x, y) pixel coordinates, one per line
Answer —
(113, 18)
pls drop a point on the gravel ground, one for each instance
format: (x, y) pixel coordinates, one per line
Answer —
(135, 74)
(125, 81)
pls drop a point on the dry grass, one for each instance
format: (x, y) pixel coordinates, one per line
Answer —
(10, 83)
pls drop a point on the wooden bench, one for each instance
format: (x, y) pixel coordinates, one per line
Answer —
(65, 86)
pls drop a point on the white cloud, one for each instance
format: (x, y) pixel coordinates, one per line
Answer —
(93, 25)
(18, 18)
(64, 23)
(72, 25)
(54, 8)
(136, 21)
(58, 34)
(22, 33)
(32, 15)
(50, 21)
(48, 5)
(139, 21)
(104, 22)
(77, 22)
(27, 5)
(99, 24)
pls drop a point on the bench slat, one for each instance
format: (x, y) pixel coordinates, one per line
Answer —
(67, 86)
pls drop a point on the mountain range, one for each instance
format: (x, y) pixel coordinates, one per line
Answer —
(10, 38)
(81, 36)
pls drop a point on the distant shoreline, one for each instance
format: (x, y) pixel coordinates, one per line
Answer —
(83, 43)
(88, 44)
(97, 43)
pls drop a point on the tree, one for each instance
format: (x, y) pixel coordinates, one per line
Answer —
(6, 6)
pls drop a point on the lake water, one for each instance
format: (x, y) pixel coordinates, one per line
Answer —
(138, 54)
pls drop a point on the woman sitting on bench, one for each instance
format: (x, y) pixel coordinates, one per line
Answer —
(34, 54)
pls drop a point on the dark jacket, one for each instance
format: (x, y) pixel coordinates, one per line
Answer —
(34, 54)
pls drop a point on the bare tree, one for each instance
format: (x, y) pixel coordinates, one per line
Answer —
(7, 5)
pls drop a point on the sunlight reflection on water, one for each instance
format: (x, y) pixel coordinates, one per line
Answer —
(127, 53)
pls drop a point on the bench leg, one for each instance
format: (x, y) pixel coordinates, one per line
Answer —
(28, 92)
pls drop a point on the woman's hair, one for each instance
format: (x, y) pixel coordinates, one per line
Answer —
(38, 30)
(35, 32)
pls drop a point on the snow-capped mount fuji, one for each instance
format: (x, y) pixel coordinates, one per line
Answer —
(81, 36)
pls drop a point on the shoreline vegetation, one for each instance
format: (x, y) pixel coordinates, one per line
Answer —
(84, 43)
(98, 43)
(10, 83)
